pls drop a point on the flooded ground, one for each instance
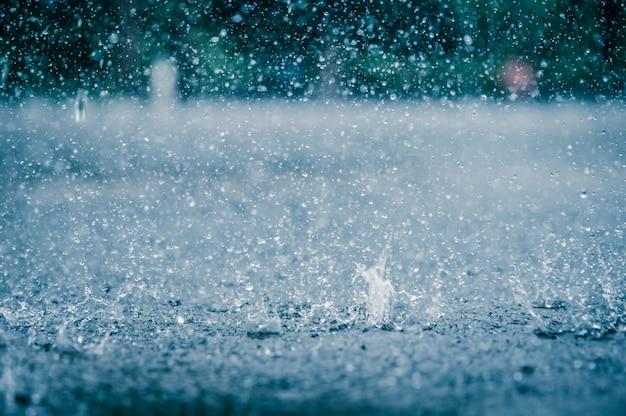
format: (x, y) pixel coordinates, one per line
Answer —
(257, 258)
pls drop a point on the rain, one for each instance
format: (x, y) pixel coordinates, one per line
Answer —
(312, 207)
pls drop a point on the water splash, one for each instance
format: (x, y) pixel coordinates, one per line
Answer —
(80, 106)
(260, 323)
(379, 291)
(520, 294)
(63, 344)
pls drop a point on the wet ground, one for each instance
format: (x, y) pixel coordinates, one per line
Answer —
(202, 259)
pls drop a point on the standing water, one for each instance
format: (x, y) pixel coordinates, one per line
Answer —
(211, 268)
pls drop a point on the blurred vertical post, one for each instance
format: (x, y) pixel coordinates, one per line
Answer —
(80, 106)
(128, 54)
(613, 24)
(163, 83)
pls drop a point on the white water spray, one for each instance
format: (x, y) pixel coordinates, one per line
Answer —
(63, 343)
(261, 323)
(379, 291)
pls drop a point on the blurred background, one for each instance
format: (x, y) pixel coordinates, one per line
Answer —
(403, 49)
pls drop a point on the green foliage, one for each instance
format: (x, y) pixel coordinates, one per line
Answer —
(295, 48)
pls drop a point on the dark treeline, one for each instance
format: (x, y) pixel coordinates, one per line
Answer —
(296, 48)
